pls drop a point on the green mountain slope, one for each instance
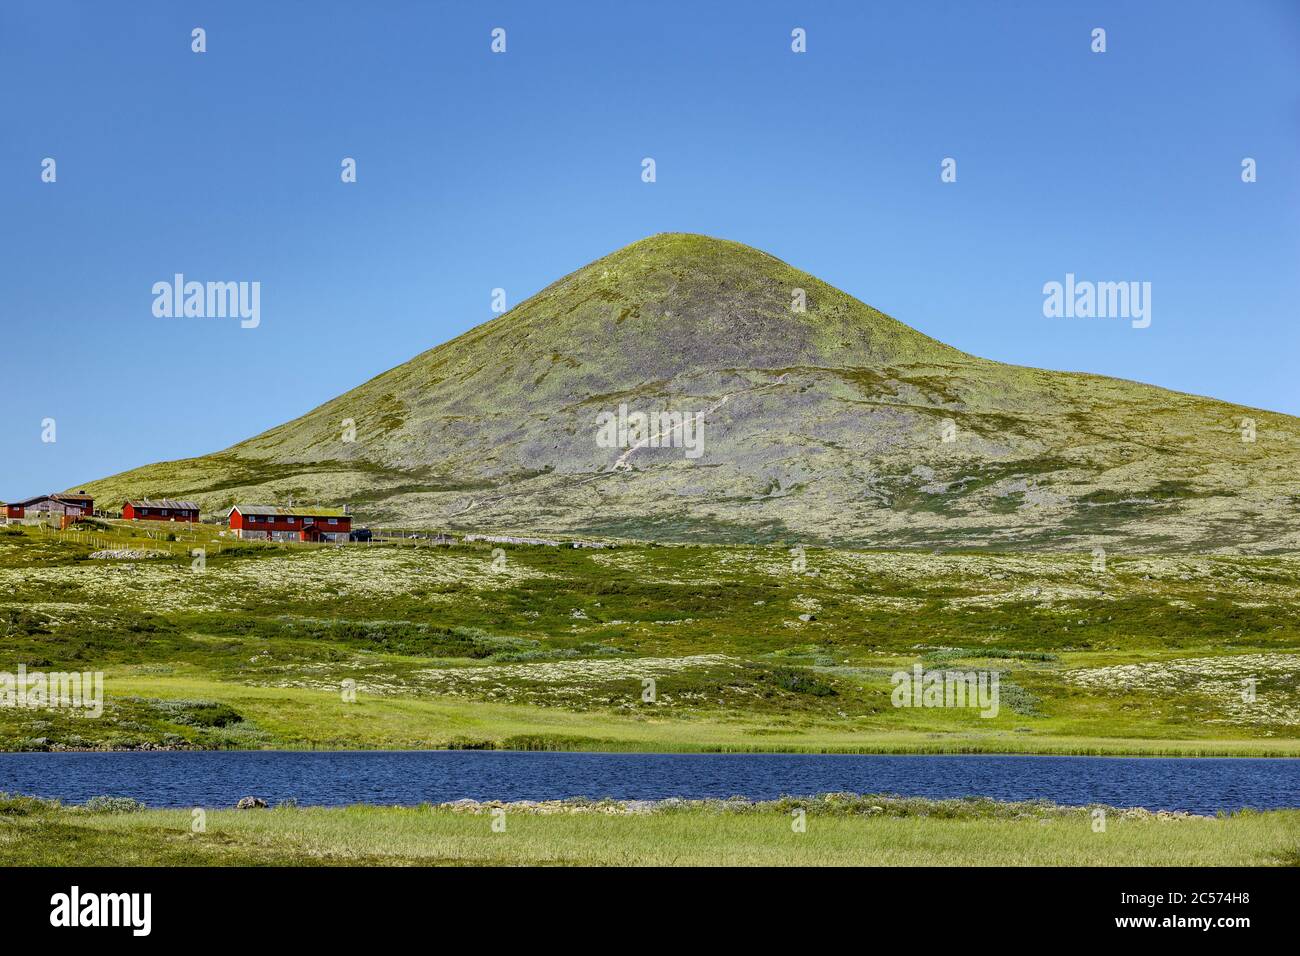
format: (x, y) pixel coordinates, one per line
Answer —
(820, 426)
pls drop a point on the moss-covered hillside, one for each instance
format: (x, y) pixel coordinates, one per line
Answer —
(825, 426)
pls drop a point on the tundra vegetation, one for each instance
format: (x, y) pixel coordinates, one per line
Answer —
(644, 647)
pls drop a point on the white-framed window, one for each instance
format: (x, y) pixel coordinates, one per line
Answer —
(334, 520)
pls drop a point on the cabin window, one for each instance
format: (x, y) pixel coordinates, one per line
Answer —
(334, 520)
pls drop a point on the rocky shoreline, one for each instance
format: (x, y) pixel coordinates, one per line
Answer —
(45, 745)
(827, 804)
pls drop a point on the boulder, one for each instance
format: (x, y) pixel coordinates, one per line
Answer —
(251, 803)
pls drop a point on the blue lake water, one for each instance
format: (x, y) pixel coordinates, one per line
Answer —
(220, 778)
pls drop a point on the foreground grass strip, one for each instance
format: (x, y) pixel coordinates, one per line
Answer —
(838, 830)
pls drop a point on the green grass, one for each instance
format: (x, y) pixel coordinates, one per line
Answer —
(894, 833)
(552, 648)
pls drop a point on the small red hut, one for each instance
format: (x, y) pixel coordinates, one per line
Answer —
(164, 509)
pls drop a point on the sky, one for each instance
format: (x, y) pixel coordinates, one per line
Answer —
(479, 170)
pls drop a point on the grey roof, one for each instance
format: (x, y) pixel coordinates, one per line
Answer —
(162, 503)
(68, 498)
(303, 512)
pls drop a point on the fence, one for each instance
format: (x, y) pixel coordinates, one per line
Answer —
(126, 536)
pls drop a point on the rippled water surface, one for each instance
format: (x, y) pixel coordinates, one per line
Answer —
(186, 779)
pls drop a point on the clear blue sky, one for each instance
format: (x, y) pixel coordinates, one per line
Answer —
(479, 170)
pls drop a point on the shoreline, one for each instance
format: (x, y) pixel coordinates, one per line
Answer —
(1287, 750)
(836, 803)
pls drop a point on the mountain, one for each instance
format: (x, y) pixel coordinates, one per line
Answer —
(821, 426)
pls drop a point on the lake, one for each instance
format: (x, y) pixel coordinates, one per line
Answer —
(220, 778)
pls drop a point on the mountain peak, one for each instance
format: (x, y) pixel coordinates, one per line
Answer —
(677, 301)
(689, 245)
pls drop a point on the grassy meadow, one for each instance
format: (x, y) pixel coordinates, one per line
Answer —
(754, 648)
(835, 830)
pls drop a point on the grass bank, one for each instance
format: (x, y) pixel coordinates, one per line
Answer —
(294, 718)
(841, 830)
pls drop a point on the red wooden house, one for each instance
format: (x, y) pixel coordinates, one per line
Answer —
(164, 509)
(80, 505)
(290, 524)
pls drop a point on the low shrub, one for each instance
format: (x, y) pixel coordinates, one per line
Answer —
(21, 805)
(106, 804)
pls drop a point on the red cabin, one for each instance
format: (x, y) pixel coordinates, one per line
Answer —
(80, 505)
(164, 509)
(290, 524)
